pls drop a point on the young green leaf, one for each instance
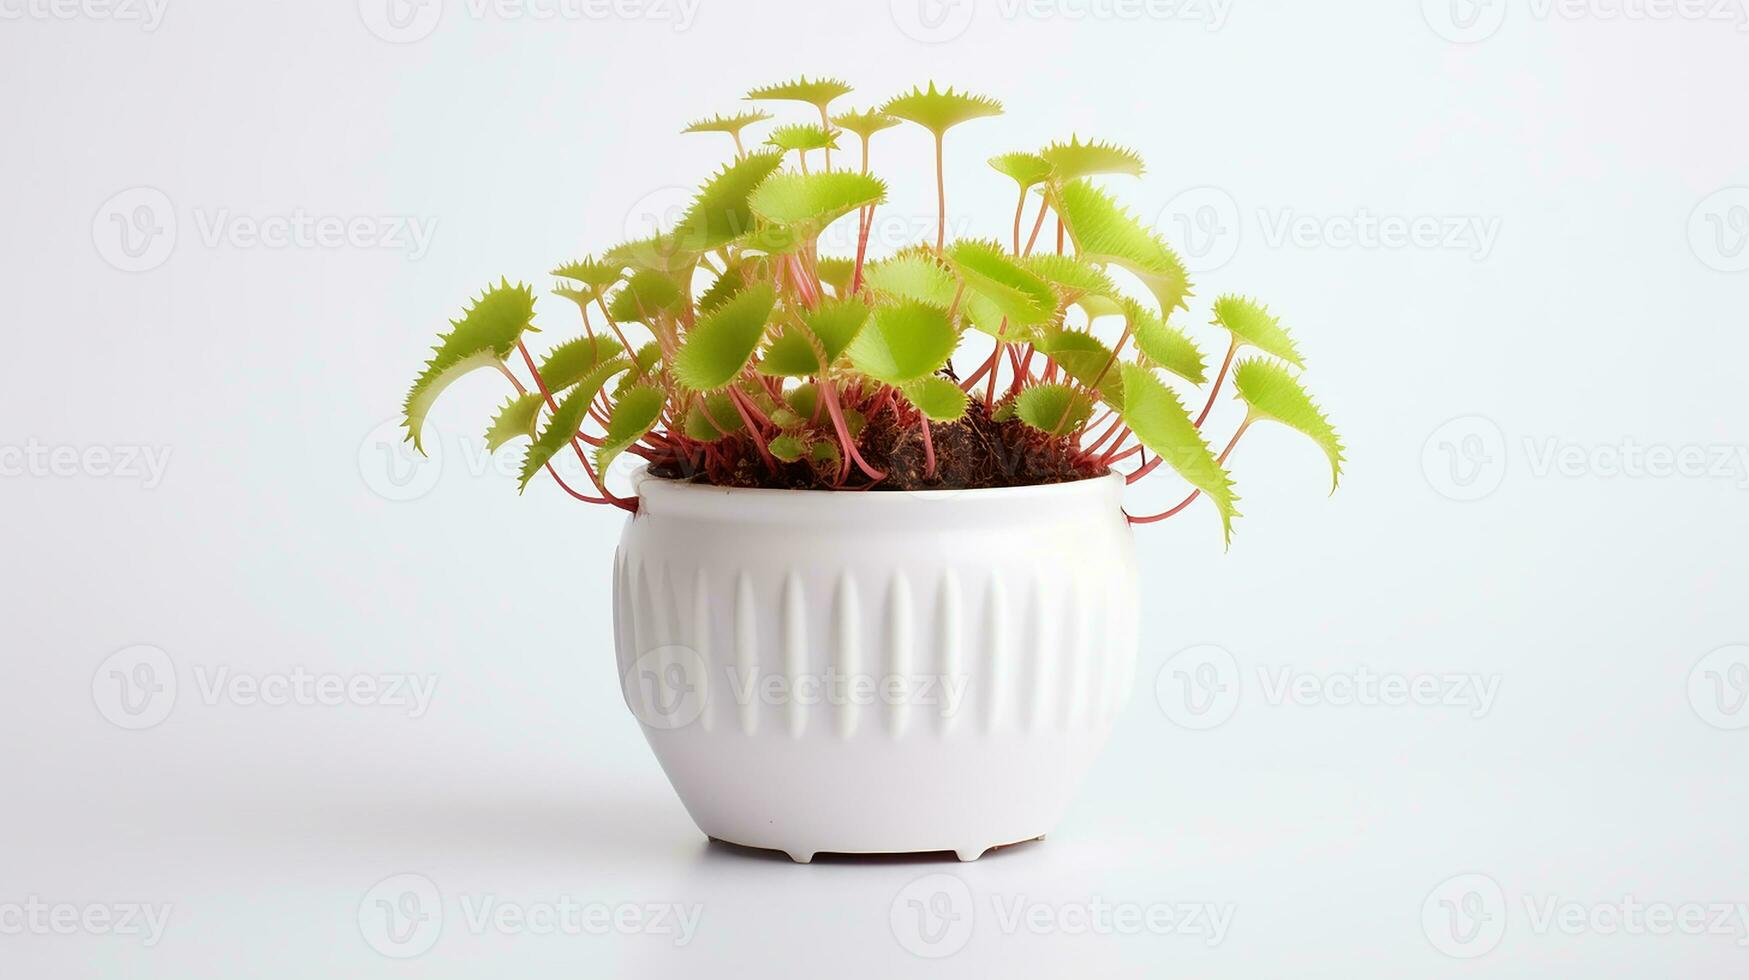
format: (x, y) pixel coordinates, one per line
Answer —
(645, 296)
(731, 125)
(1104, 232)
(1154, 413)
(1019, 296)
(635, 414)
(818, 93)
(836, 322)
(517, 418)
(788, 447)
(1075, 159)
(720, 213)
(570, 362)
(865, 123)
(803, 399)
(801, 137)
(715, 350)
(804, 204)
(791, 354)
(836, 272)
(904, 343)
(725, 288)
(1250, 323)
(939, 399)
(561, 429)
(1270, 392)
(911, 276)
(485, 335)
(1052, 408)
(1025, 169)
(596, 276)
(712, 417)
(1163, 344)
(940, 111)
(1085, 358)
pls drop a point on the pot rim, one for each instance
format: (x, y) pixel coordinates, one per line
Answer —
(661, 495)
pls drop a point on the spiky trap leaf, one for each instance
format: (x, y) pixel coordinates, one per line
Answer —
(1272, 393)
(484, 336)
(1154, 413)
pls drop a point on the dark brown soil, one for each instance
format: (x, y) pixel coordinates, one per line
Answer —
(973, 453)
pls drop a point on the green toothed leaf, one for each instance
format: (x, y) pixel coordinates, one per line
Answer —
(818, 93)
(1071, 274)
(939, 399)
(1250, 323)
(1055, 409)
(790, 354)
(595, 275)
(904, 343)
(788, 447)
(570, 362)
(712, 417)
(1075, 159)
(802, 136)
(731, 125)
(1019, 296)
(1104, 232)
(1154, 413)
(657, 253)
(911, 276)
(720, 213)
(485, 335)
(715, 350)
(1165, 345)
(865, 123)
(563, 425)
(1272, 393)
(514, 420)
(634, 415)
(836, 322)
(1085, 358)
(645, 296)
(1025, 169)
(836, 272)
(726, 287)
(803, 204)
(803, 399)
(940, 111)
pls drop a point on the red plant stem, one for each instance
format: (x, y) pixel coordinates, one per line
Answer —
(739, 401)
(1226, 363)
(1019, 209)
(995, 366)
(607, 497)
(1110, 431)
(1024, 372)
(866, 220)
(1194, 493)
(826, 124)
(631, 351)
(805, 289)
(928, 448)
(1036, 225)
(880, 401)
(1059, 234)
(1120, 457)
(940, 198)
(587, 327)
(989, 364)
(830, 394)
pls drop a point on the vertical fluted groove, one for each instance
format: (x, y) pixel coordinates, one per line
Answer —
(746, 651)
(701, 644)
(846, 646)
(795, 650)
(900, 640)
(948, 616)
(1075, 708)
(1040, 674)
(996, 653)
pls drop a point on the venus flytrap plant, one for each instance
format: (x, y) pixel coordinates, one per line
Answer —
(761, 362)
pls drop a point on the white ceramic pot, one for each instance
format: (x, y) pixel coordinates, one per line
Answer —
(876, 672)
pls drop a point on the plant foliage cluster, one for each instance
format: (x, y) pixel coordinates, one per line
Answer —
(729, 342)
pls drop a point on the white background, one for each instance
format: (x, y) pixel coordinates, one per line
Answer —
(1605, 314)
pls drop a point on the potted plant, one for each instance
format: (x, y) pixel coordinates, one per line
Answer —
(864, 602)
